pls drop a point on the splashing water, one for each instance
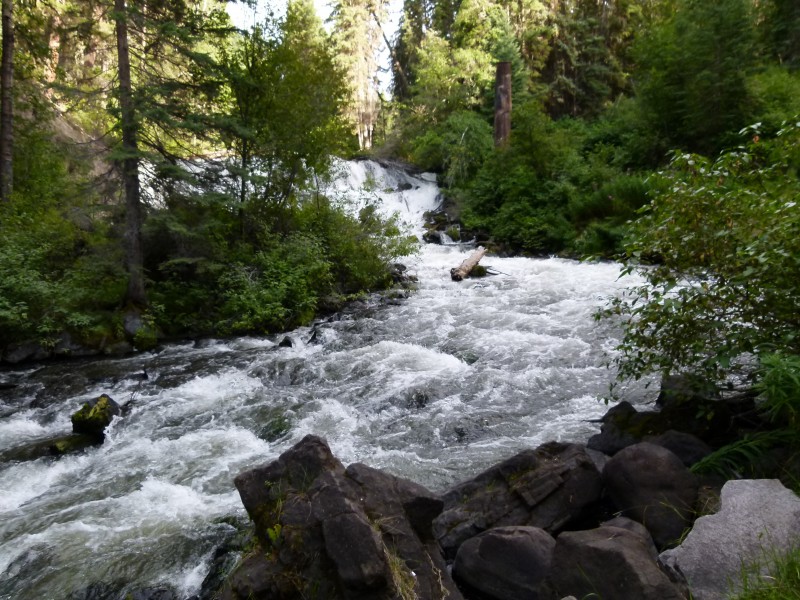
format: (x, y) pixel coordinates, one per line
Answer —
(437, 388)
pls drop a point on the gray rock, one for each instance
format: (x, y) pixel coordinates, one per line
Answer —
(506, 563)
(651, 485)
(612, 563)
(758, 520)
(548, 488)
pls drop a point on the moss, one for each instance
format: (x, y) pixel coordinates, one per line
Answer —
(93, 417)
(454, 233)
(72, 443)
(478, 271)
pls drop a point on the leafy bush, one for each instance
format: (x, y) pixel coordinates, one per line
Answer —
(457, 147)
(726, 237)
(775, 94)
(58, 271)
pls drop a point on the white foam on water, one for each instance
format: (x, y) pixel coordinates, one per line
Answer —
(23, 427)
(452, 380)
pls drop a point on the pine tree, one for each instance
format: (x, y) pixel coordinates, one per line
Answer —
(6, 101)
(357, 37)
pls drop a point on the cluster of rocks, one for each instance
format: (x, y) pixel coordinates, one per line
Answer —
(557, 521)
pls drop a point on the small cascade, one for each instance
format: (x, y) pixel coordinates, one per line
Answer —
(437, 388)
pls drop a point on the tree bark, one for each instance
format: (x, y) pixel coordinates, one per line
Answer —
(502, 104)
(130, 164)
(6, 102)
(470, 263)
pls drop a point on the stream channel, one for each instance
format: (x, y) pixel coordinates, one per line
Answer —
(435, 388)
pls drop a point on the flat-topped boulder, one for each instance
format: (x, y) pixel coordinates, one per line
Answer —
(549, 487)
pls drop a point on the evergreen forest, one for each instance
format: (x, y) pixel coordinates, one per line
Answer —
(160, 169)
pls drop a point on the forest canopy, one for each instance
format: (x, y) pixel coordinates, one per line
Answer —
(160, 167)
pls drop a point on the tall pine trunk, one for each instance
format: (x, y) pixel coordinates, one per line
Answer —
(6, 102)
(130, 164)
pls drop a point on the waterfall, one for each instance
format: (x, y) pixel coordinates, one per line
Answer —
(437, 388)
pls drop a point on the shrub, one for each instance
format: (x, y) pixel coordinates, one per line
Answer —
(726, 234)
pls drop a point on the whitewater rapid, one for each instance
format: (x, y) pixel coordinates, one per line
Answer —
(435, 388)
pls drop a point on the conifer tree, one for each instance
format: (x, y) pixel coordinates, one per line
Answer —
(357, 37)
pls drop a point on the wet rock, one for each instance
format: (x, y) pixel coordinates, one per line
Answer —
(95, 591)
(758, 521)
(94, 416)
(689, 448)
(611, 562)
(651, 485)
(286, 342)
(25, 351)
(506, 563)
(159, 593)
(330, 532)
(622, 426)
(549, 487)
(432, 237)
(65, 444)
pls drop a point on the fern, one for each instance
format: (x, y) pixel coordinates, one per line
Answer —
(729, 461)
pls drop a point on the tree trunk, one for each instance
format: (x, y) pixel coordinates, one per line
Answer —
(502, 104)
(470, 263)
(6, 103)
(130, 164)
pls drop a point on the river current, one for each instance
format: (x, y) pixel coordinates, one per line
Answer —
(435, 387)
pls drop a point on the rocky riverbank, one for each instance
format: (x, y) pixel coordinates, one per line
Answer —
(557, 521)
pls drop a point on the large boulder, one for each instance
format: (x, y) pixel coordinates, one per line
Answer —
(95, 415)
(330, 532)
(758, 521)
(651, 485)
(612, 562)
(623, 426)
(689, 448)
(685, 403)
(549, 487)
(506, 563)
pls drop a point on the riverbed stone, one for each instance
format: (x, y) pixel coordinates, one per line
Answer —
(330, 532)
(506, 563)
(95, 415)
(689, 448)
(610, 562)
(651, 485)
(56, 446)
(549, 487)
(758, 521)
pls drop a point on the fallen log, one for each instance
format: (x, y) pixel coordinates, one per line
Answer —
(463, 270)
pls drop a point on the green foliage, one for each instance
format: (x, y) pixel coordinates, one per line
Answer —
(779, 386)
(782, 582)
(725, 234)
(57, 271)
(458, 146)
(736, 459)
(775, 97)
(276, 288)
(692, 73)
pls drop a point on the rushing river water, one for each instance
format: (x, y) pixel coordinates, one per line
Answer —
(434, 388)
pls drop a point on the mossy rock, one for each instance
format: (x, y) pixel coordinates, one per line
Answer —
(478, 271)
(94, 416)
(454, 233)
(66, 444)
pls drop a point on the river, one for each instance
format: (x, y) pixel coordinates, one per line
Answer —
(435, 387)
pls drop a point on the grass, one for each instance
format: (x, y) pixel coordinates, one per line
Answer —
(782, 582)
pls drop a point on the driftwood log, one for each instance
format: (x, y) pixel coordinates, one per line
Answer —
(463, 270)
